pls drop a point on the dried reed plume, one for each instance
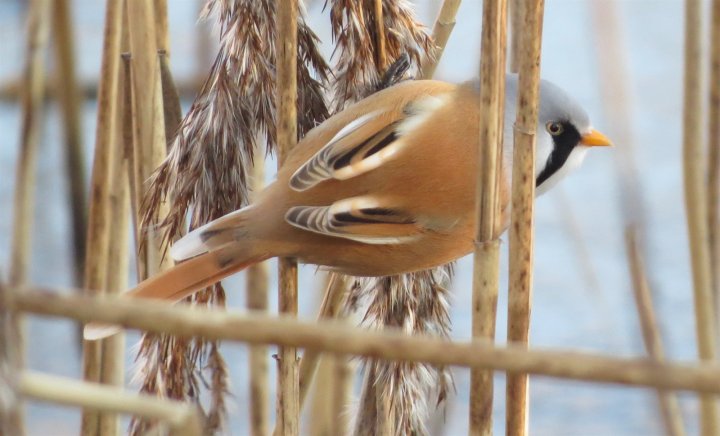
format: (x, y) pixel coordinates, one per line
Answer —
(415, 302)
(206, 172)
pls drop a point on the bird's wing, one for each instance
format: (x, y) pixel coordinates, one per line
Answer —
(364, 219)
(364, 143)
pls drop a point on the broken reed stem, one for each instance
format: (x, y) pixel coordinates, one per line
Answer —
(69, 98)
(695, 204)
(713, 171)
(486, 267)
(288, 415)
(669, 408)
(99, 214)
(523, 200)
(148, 121)
(162, 29)
(257, 288)
(339, 338)
(444, 25)
(381, 52)
(182, 418)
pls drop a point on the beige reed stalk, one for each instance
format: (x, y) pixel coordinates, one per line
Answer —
(670, 411)
(713, 171)
(113, 349)
(68, 94)
(181, 418)
(99, 214)
(696, 206)
(33, 90)
(338, 338)
(517, 12)
(381, 60)
(523, 200)
(487, 244)
(257, 287)
(148, 122)
(444, 25)
(32, 102)
(288, 415)
(162, 29)
(11, 407)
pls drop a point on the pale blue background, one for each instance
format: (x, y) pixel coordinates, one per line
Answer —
(568, 310)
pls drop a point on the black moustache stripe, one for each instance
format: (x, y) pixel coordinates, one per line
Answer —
(563, 145)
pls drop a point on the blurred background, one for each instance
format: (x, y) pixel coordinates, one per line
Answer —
(582, 292)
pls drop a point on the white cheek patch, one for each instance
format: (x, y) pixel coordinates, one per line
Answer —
(573, 161)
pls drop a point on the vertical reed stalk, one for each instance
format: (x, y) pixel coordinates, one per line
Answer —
(11, 407)
(670, 411)
(517, 12)
(113, 349)
(329, 308)
(162, 30)
(32, 102)
(69, 97)
(695, 204)
(523, 196)
(713, 171)
(99, 214)
(286, 46)
(148, 122)
(172, 110)
(257, 285)
(444, 25)
(380, 51)
(342, 394)
(487, 244)
(321, 407)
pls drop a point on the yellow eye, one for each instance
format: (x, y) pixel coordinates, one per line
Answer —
(554, 128)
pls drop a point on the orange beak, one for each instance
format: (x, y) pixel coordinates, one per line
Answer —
(595, 138)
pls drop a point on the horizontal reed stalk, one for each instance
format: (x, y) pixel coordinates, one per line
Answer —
(182, 418)
(339, 338)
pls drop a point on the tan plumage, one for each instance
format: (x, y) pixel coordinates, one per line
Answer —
(387, 186)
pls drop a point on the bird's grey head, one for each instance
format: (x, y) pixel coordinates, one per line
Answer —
(563, 136)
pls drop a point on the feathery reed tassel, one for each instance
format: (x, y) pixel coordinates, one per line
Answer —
(401, 389)
(206, 171)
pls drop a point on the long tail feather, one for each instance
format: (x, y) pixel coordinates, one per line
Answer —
(183, 280)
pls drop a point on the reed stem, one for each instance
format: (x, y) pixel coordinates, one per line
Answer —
(338, 338)
(148, 125)
(487, 245)
(11, 407)
(98, 235)
(257, 285)
(523, 200)
(70, 99)
(670, 411)
(183, 419)
(443, 27)
(695, 204)
(381, 52)
(288, 407)
(713, 171)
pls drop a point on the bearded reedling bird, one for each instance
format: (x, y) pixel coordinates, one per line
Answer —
(387, 186)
